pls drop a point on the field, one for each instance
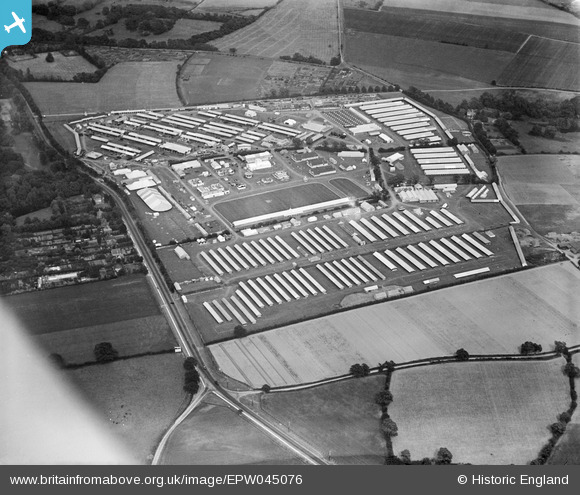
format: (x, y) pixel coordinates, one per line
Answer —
(71, 320)
(348, 187)
(544, 63)
(433, 27)
(484, 413)
(299, 26)
(209, 78)
(139, 398)
(201, 440)
(563, 142)
(244, 7)
(490, 316)
(130, 85)
(518, 9)
(340, 418)
(273, 201)
(425, 64)
(62, 67)
(546, 189)
(183, 29)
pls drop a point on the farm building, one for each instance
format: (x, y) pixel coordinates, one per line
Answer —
(141, 184)
(315, 127)
(258, 161)
(177, 148)
(290, 122)
(359, 129)
(154, 200)
(180, 167)
(351, 154)
(394, 158)
(181, 253)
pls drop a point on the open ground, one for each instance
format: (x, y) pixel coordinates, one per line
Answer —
(297, 26)
(130, 85)
(273, 201)
(340, 419)
(63, 67)
(484, 413)
(490, 316)
(70, 321)
(546, 189)
(138, 397)
(201, 440)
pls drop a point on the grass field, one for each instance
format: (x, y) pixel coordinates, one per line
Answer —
(563, 142)
(425, 64)
(297, 26)
(546, 189)
(426, 26)
(517, 9)
(349, 188)
(544, 63)
(209, 77)
(130, 85)
(340, 418)
(62, 67)
(273, 201)
(201, 440)
(70, 321)
(138, 397)
(491, 316)
(484, 413)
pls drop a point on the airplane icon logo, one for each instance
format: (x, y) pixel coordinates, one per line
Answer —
(17, 23)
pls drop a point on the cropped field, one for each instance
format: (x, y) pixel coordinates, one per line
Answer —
(340, 418)
(484, 413)
(298, 26)
(130, 85)
(544, 63)
(349, 188)
(201, 440)
(62, 67)
(235, 6)
(546, 189)
(209, 78)
(138, 397)
(273, 201)
(428, 27)
(71, 320)
(490, 316)
(516, 9)
(425, 64)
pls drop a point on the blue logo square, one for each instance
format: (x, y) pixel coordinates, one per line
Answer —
(15, 22)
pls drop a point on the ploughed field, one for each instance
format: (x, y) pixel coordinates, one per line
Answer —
(492, 316)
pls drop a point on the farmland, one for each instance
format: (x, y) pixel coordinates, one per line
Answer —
(534, 304)
(544, 63)
(426, 64)
(130, 85)
(243, 7)
(484, 413)
(299, 26)
(202, 439)
(138, 397)
(340, 418)
(71, 320)
(546, 189)
(273, 201)
(533, 10)
(64, 67)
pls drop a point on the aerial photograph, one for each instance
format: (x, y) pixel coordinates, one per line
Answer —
(290, 232)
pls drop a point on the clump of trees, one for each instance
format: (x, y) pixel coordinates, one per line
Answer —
(528, 348)
(191, 379)
(360, 370)
(105, 352)
(240, 331)
(462, 354)
(297, 57)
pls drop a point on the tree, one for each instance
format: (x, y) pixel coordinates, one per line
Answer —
(528, 348)
(49, 57)
(387, 365)
(443, 456)
(405, 456)
(335, 60)
(191, 380)
(104, 352)
(190, 363)
(359, 370)
(389, 427)
(564, 417)
(233, 50)
(266, 388)
(571, 370)
(461, 354)
(560, 347)
(240, 331)
(558, 428)
(383, 398)
(191, 387)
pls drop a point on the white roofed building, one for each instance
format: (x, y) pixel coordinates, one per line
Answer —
(258, 161)
(154, 200)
